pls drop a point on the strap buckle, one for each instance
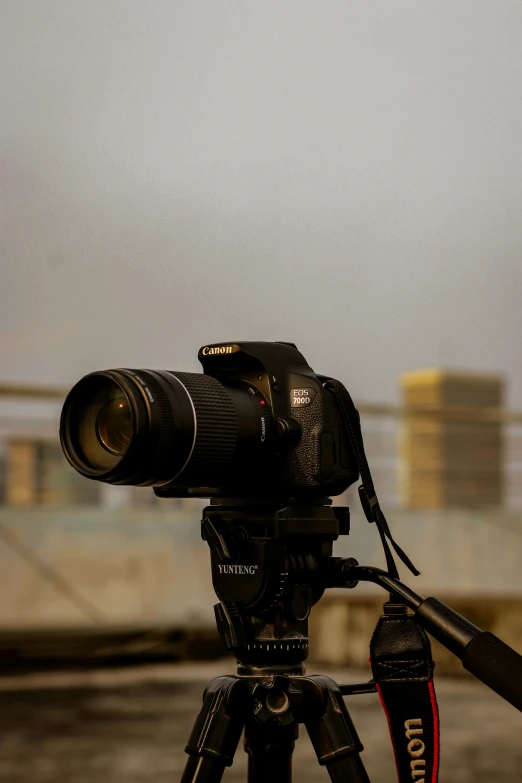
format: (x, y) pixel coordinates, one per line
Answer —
(368, 503)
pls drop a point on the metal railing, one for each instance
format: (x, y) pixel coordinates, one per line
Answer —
(382, 426)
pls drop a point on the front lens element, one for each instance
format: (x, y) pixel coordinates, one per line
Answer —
(100, 424)
(114, 425)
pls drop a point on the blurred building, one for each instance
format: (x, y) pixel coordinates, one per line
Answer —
(36, 474)
(452, 450)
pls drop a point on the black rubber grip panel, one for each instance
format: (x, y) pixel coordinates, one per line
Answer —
(497, 665)
(217, 428)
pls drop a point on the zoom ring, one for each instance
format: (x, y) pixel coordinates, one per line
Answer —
(216, 420)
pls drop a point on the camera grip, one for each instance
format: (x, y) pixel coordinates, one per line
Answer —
(496, 665)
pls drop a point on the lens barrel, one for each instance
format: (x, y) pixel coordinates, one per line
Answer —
(155, 428)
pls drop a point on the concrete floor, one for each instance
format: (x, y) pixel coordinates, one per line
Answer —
(130, 726)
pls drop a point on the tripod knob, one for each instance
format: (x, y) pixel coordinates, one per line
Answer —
(230, 625)
(218, 537)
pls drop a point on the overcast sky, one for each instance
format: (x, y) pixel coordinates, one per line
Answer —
(345, 174)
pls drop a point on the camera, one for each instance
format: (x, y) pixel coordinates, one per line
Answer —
(257, 423)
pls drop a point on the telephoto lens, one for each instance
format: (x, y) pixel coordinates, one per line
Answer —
(150, 428)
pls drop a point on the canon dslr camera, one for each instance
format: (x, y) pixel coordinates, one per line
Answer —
(258, 423)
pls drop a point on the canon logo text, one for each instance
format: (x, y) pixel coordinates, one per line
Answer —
(216, 349)
(416, 749)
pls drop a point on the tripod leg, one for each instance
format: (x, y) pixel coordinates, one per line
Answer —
(270, 747)
(334, 737)
(216, 732)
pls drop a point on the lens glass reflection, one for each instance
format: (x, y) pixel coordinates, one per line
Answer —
(114, 426)
(101, 424)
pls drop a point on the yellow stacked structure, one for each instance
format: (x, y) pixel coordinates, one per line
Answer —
(22, 473)
(451, 439)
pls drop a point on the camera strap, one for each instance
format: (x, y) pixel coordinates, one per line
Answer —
(400, 651)
(367, 494)
(400, 655)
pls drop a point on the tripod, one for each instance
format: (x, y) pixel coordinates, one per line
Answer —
(270, 564)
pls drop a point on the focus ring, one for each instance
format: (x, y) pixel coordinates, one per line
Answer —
(162, 422)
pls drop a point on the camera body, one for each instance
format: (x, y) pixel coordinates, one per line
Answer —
(298, 446)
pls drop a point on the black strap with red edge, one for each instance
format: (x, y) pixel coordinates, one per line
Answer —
(402, 665)
(400, 650)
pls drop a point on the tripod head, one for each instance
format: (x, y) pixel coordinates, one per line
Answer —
(270, 564)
